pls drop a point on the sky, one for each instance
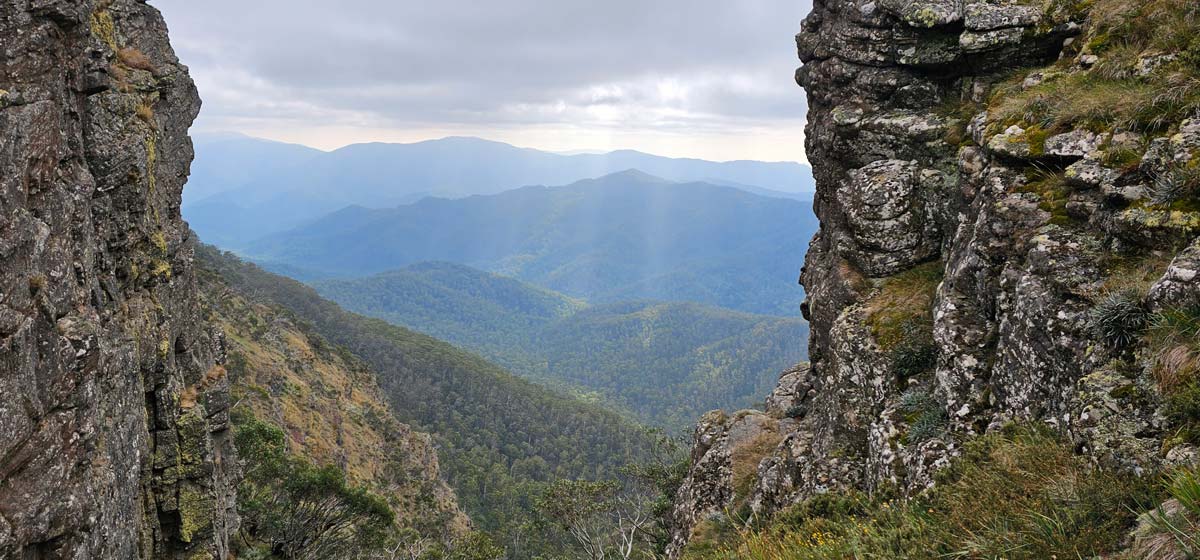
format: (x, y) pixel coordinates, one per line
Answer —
(711, 79)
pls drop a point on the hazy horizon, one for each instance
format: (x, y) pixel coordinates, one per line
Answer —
(220, 134)
(707, 80)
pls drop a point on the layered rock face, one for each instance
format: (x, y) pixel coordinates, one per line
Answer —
(114, 435)
(970, 228)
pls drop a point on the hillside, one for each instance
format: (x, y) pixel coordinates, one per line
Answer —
(330, 406)
(287, 185)
(498, 436)
(623, 237)
(665, 362)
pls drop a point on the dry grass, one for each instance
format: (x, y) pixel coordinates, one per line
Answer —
(145, 113)
(1018, 495)
(904, 300)
(134, 58)
(187, 399)
(1112, 96)
(1136, 274)
(745, 458)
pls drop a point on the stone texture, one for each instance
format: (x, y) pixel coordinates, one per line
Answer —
(1028, 225)
(100, 334)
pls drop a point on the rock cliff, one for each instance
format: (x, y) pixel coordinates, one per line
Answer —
(1007, 195)
(114, 439)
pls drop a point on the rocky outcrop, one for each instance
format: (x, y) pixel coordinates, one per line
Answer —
(972, 234)
(114, 439)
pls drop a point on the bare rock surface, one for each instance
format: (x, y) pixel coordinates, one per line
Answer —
(962, 253)
(114, 432)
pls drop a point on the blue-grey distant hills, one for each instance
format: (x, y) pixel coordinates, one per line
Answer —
(243, 188)
(626, 236)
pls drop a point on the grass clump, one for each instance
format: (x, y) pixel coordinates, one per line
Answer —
(900, 316)
(1119, 318)
(1178, 183)
(1173, 346)
(1017, 494)
(744, 460)
(1173, 530)
(145, 113)
(134, 58)
(904, 302)
(925, 415)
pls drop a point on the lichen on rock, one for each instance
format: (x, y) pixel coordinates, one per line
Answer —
(1037, 162)
(97, 456)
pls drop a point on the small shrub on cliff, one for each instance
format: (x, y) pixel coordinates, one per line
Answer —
(915, 353)
(1119, 318)
(1175, 184)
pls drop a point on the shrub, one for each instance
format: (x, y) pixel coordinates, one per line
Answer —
(300, 510)
(1119, 318)
(915, 352)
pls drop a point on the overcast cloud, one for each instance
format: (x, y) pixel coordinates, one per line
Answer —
(703, 78)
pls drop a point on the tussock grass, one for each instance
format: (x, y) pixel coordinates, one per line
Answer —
(134, 58)
(1018, 494)
(900, 317)
(1112, 95)
(903, 300)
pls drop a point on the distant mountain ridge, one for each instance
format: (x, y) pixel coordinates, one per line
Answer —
(667, 363)
(243, 188)
(627, 236)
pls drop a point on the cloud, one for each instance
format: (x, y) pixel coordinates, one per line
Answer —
(654, 67)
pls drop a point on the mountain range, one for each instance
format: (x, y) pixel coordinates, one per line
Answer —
(667, 363)
(243, 188)
(626, 236)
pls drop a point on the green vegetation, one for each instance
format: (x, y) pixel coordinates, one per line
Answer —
(925, 415)
(499, 438)
(1118, 94)
(328, 404)
(623, 517)
(1017, 494)
(296, 509)
(1178, 183)
(1171, 530)
(1119, 318)
(900, 316)
(1173, 344)
(667, 363)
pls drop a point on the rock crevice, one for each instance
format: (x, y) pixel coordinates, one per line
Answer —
(114, 432)
(971, 233)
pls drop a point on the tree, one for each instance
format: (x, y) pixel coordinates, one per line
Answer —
(300, 510)
(605, 519)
